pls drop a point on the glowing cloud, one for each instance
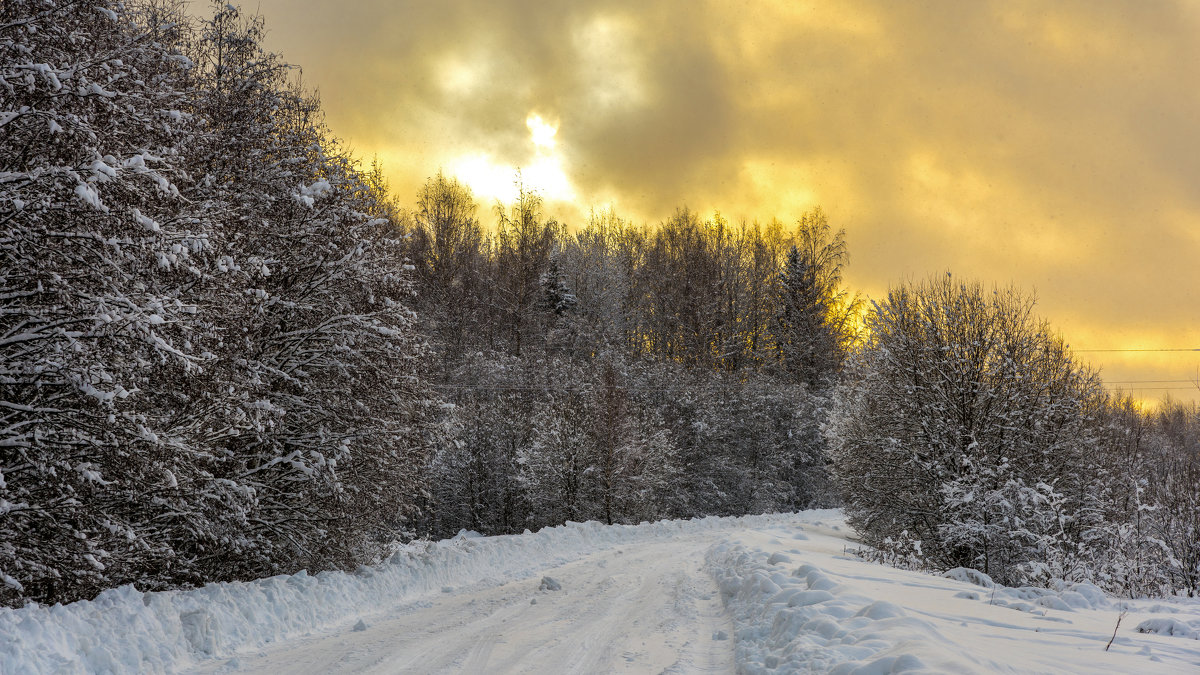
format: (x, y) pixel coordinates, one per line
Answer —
(1056, 149)
(459, 77)
(547, 176)
(544, 172)
(486, 178)
(608, 64)
(542, 131)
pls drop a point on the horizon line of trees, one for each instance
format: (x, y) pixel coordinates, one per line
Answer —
(620, 372)
(961, 431)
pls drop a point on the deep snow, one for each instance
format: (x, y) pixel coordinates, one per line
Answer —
(761, 594)
(801, 604)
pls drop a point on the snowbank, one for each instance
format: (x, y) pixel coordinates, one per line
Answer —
(800, 603)
(792, 618)
(797, 601)
(1169, 626)
(125, 630)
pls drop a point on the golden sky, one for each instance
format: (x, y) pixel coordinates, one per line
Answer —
(1055, 145)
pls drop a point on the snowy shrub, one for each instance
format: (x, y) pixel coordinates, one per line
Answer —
(99, 255)
(208, 369)
(965, 423)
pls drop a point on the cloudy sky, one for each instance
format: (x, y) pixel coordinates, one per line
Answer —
(1055, 145)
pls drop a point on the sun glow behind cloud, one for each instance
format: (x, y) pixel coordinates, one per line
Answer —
(541, 131)
(544, 170)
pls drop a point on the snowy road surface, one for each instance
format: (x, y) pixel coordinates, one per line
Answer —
(762, 594)
(647, 608)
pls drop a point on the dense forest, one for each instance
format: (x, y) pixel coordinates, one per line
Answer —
(623, 373)
(226, 351)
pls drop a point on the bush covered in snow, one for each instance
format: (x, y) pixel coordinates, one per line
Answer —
(206, 361)
(967, 435)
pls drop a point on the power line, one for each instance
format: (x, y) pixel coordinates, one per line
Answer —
(1153, 388)
(1148, 381)
(587, 389)
(1148, 349)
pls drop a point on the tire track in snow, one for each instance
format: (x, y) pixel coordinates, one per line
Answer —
(646, 607)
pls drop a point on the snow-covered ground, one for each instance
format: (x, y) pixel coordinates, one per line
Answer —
(801, 605)
(762, 594)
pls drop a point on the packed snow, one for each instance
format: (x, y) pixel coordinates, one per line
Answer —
(759, 594)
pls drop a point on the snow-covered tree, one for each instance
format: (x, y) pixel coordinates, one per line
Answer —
(635, 459)
(99, 255)
(448, 249)
(524, 241)
(557, 296)
(207, 365)
(475, 474)
(1172, 499)
(321, 416)
(966, 425)
(559, 467)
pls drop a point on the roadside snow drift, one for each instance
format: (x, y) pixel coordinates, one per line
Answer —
(801, 604)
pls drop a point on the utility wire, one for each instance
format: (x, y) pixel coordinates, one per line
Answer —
(683, 389)
(1147, 381)
(1152, 388)
(1149, 349)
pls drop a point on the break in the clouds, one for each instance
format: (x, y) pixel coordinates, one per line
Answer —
(1055, 145)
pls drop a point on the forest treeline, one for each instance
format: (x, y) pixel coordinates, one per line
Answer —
(620, 372)
(226, 351)
(697, 367)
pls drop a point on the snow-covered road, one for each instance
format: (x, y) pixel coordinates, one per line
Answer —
(757, 595)
(647, 608)
(777, 595)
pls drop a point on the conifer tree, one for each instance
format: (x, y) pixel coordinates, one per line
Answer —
(813, 322)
